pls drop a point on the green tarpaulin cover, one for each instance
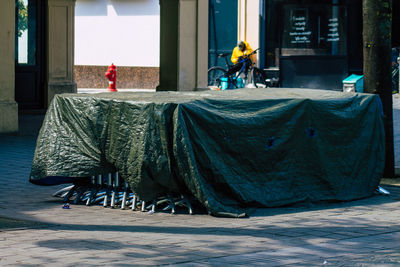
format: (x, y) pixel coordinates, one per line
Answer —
(231, 150)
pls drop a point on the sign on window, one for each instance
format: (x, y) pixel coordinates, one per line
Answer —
(314, 29)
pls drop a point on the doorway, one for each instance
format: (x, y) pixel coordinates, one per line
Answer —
(29, 54)
(222, 34)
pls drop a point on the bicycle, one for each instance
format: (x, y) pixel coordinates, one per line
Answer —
(395, 78)
(217, 74)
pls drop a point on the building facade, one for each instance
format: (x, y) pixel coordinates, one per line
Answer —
(37, 55)
(37, 51)
(304, 43)
(300, 40)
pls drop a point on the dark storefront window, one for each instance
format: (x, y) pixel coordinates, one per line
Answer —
(29, 53)
(396, 24)
(313, 30)
(305, 27)
(309, 43)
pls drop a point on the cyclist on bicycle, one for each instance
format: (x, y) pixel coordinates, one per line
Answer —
(238, 57)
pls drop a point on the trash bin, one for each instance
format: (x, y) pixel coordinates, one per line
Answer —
(226, 84)
(354, 83)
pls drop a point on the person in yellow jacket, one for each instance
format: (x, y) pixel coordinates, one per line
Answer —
(242, 49)
(239, 52)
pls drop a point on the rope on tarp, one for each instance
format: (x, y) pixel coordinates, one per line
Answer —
(110, 190)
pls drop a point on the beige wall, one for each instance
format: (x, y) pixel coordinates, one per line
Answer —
(60, 43)
(202, 44)
(187, 45)
(8, 106)
(249, 22)
(183, 45)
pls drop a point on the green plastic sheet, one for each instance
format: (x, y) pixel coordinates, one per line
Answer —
(231, 150)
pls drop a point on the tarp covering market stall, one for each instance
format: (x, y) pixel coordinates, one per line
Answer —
(231, 150)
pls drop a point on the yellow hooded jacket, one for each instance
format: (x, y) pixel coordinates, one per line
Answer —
(237, 53)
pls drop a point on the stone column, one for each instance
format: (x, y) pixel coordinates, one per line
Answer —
(202, 44)
(183, 45)
(8, 106)
(60, 45)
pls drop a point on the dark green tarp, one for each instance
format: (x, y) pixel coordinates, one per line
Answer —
(230, 149)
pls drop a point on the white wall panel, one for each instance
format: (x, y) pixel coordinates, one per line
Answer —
(123, 32)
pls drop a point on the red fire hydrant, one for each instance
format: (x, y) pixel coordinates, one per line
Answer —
(111, 75)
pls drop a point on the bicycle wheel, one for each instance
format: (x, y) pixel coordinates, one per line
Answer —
(259, 78)
(214, 77)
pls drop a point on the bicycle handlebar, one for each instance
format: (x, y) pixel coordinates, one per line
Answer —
(247, 57)
(252, 53)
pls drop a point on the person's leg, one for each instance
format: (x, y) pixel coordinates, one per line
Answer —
(235, 68)
(244, 69)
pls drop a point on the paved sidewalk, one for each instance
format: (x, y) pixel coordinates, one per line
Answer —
(36, 231)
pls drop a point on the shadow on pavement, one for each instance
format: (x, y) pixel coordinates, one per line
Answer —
(351, 236)
(361, 206)
(7, 224)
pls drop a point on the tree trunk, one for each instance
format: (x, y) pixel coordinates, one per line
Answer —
(377, 29)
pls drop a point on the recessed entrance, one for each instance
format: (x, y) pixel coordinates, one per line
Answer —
(29, 54)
